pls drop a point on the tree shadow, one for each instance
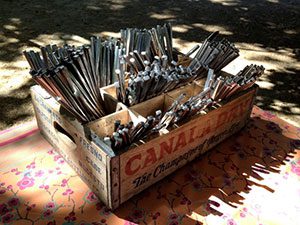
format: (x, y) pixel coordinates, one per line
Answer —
(268, 24)
(16, 106)
(225, 175)
(228, 172)
(286, 90)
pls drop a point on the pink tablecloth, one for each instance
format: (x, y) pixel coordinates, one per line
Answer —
(252, 178)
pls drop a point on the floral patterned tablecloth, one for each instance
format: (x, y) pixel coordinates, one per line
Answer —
(251, 178)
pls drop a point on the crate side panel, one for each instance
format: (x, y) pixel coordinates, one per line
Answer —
(142, 166)
(75, 154)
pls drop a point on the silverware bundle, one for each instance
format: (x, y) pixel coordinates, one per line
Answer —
(216, 89)
(126, 134)
(156, 78)
(223, 87)
(73, 76)
(150, 77)
(212, 54)
(148, 42)
(106, 57)
(179, 111)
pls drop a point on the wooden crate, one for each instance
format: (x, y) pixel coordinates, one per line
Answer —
(116, 178)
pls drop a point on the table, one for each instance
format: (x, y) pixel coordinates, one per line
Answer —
(251, 178)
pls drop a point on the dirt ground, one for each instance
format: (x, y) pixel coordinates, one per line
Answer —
(266, 32)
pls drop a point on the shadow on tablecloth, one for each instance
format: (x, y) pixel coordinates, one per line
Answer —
(245, 178)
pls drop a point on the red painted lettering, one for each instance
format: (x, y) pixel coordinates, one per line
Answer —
(192, 131)
(221, 119)
(204, 131)
(181, 142)
(166, 147)
(150, 158)
(128, 168)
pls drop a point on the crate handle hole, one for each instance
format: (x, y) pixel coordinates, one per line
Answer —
(65, 136)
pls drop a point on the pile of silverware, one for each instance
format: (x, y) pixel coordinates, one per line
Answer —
(156, 78)
(146, 44)
(216, 89)
(126, 134)
(153, 70)
(212, 54)
(223, 87)
(74, 75)
(141, 64)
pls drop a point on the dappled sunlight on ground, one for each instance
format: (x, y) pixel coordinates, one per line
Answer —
(264, 31)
